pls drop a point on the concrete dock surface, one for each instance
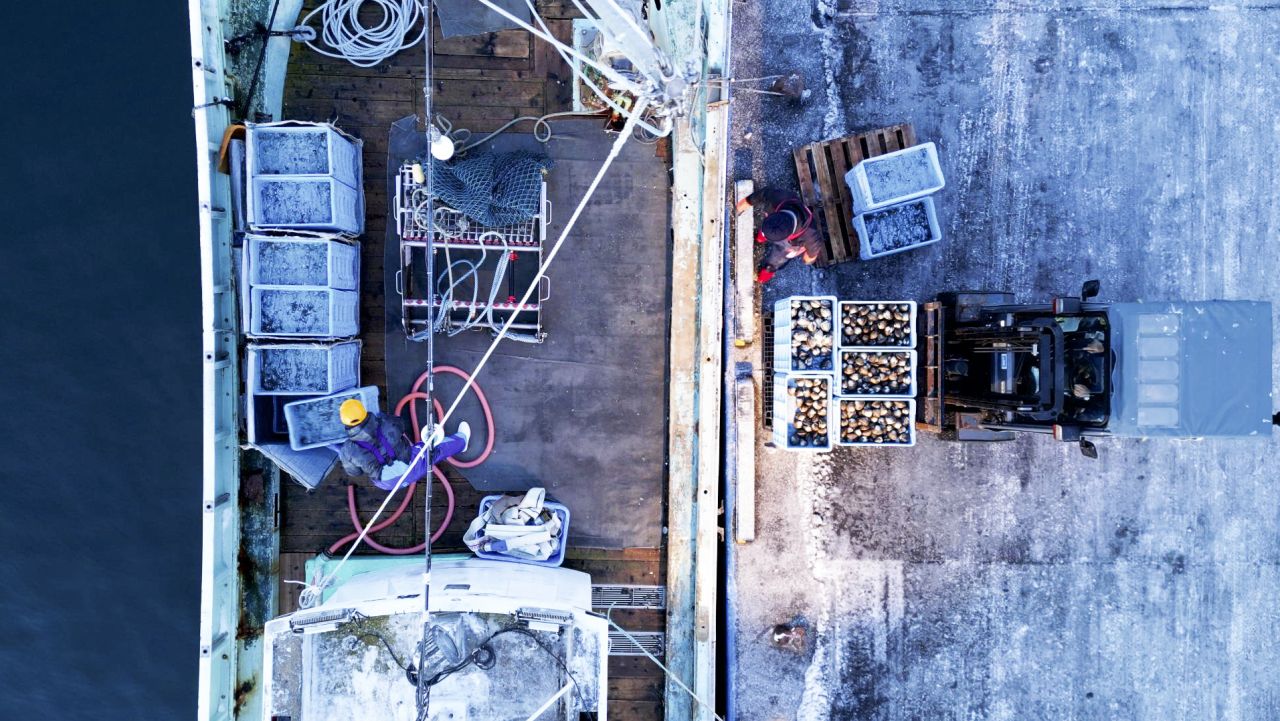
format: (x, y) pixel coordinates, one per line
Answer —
(1132, 142)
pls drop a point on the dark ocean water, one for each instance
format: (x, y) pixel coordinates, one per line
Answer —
(99, 361)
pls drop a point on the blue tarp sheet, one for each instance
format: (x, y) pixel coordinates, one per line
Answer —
(1192, 369)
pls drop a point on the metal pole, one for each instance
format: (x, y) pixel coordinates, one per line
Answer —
(424, 691)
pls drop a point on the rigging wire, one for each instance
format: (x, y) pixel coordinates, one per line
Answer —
(608, 616)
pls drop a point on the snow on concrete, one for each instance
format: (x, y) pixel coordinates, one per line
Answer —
(1131, 142)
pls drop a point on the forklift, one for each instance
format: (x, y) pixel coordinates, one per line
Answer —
(1079, 369)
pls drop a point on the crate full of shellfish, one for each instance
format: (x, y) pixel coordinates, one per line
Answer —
(804, 336)
(802, 411)
(883, 422)
(880, 373)
(877, 324)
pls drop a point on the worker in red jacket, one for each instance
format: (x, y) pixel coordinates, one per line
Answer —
(787, 228)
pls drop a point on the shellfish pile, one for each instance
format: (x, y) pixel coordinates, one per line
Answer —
(812, 339)
(866, 373)
(875, 324)
(808, 425)
(875, 422)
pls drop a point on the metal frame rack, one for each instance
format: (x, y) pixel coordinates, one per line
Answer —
(509, 254)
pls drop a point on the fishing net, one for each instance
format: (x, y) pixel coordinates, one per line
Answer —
(493, 189)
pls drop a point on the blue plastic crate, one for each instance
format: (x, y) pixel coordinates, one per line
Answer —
(317, 261)
(556, 558)
(302, 369)
(300, 312)
(301, 202)
(300, 148)
(314, 422)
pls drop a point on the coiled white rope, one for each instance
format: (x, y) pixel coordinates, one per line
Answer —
(367, 46)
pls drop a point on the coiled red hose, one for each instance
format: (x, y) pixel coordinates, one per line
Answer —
(413, 395)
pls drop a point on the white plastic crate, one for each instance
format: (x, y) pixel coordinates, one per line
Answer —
(908, 392)
(909, 426)
(283, 312)
(300, 202)
(302, 369)
(895, 177)
(784, 356)
(299, 148)
(317, 261)
(784, 410)
(315, 422)
(876, 222)
(847, 308)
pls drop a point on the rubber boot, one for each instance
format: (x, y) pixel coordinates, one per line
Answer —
(464, 430)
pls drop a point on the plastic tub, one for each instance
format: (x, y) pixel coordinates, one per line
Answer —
(907, 390)
(784, 411)
(314, 422)
(302, 369)
(298, 202)
(895, 177)
(905, 226)
(785, 333)
(849, 403)
(298, 148)
(865, 310)
(283, 312)
(303, 261)
(556, 558)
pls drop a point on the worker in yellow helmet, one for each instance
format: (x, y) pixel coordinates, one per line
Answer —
(376, 446)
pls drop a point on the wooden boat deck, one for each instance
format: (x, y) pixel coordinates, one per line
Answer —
(479, 82)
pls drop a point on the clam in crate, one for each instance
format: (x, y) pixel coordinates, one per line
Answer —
(877, 324)
(804, 336)
(882, 373)
(802, 405)
(876, 422)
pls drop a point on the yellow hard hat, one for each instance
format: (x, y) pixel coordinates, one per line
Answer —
(352, 412)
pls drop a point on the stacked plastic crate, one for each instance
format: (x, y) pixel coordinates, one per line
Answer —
(892, 208)
(844, 373)
(300, 271)
(876, 374)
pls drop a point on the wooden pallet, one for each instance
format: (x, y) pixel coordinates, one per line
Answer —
(821, 167)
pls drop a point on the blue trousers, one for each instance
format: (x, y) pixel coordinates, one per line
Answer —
(443, 450)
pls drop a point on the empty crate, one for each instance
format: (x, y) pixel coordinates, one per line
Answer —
(303, 261)
(890, 230)
(895, 177)
(302, 369)
(314, 422)
(290, 202)
(802, 407)
(804, 333)
(304, 312)
(298, 148)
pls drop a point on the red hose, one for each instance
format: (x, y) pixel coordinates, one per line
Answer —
(415, 394)
(391, 550)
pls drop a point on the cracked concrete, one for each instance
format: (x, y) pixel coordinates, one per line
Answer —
(1132, 142)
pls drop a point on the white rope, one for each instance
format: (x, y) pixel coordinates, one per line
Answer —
(311, 594)
(551, 701)
(608, 616)
(368, 46)
(546, 35)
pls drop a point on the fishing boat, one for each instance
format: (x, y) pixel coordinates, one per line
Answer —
(580, 341)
